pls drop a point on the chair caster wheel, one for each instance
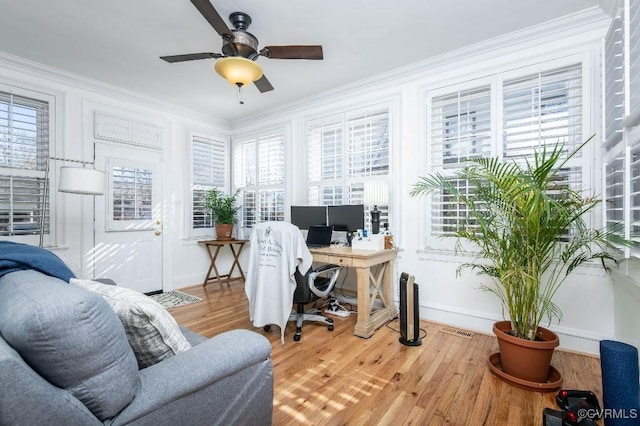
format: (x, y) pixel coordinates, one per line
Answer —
(330, 327)
(266, 328)
(296, 337)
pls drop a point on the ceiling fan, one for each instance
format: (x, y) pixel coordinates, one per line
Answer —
(242, 45)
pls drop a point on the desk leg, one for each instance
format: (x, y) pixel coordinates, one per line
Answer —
(367, 323)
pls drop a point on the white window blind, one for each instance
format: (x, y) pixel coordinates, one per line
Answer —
(614, 76)
(460, 127)
(208, 171)
(621, 92)
(634, 56)
(536, 109)
(539, 109)
(24, 149)
(345, 150)
(259, 175)
(132, 193)
(459, 130)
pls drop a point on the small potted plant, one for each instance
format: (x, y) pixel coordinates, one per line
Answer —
(224, 211)
(527, 232)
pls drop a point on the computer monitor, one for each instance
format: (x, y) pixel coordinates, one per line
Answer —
(305, 216)
(346, 217)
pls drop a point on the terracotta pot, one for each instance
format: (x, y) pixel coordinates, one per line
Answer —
(224, 231)
(526, 359)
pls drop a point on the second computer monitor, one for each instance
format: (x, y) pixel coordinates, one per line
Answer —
(346, 217)
(305, 216)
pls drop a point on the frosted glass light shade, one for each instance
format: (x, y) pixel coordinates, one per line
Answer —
(238, 70)
(376, 193)
(78, 180)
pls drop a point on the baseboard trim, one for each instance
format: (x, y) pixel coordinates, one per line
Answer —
(571, 339)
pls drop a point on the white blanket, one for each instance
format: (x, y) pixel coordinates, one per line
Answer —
(276, 250)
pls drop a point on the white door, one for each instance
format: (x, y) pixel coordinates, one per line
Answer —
(128, 218)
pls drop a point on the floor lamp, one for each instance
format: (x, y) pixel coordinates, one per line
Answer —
(74, 180)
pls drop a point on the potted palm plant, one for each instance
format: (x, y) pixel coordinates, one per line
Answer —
(224, 211)
(527, 231)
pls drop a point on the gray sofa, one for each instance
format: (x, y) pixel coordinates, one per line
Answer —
(65, 359)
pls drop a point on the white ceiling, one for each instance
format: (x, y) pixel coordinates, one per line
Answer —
(119, 41)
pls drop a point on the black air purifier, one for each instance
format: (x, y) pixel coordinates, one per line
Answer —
(409, 320)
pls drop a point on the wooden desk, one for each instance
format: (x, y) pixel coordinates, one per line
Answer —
(369, 287)
(213, 249)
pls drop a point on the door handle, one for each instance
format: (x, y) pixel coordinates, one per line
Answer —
(158, 232)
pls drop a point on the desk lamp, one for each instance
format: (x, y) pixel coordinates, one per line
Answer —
(376, 192)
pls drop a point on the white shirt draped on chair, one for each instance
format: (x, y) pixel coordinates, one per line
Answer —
(276, 250)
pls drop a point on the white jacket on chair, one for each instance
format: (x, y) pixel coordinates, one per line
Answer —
(276, 250)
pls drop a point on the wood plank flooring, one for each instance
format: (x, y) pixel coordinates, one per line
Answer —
(336, 378)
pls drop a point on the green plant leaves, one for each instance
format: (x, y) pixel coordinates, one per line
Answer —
(527, 225)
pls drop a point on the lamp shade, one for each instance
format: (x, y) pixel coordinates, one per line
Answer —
(78, 180)
(376, 192)
(238, 70)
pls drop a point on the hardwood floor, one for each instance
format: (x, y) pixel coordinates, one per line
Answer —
(336, 378)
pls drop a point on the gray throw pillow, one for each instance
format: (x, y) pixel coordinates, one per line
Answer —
(71, 337)
(152, 332)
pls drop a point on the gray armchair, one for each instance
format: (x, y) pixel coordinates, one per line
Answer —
(82, 370)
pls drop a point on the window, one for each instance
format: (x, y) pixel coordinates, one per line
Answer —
(24, 152)
(621, 94)
(132, 193)
(534, 109)
(460, 130)
(259, 175)
(344, 151)
(208, 170)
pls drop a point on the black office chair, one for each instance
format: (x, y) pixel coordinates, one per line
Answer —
(316, 284)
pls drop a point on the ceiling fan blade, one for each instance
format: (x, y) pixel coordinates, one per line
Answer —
(190, 57)
(263, 84)
(213, 17)
(292, 52)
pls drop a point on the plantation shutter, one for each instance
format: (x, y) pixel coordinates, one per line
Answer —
(634, 116)
(24, 150)
(344, 151)
(539, 109)
(259, 175)
(324, 160)
(459, 128)
(208, 170)
(614, 78)
(634, 59)
(622, 120)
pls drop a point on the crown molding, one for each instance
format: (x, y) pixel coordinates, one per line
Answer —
(56, 75)
(588, 24)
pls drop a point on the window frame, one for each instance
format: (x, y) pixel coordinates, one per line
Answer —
(54, 218)
(622, 145)
(194, 136)
(343, 120)
(255, 140)
(496, 80)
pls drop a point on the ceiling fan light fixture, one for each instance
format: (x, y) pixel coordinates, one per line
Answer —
(238, 70)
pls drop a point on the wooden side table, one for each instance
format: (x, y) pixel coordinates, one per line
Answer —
(213, 248)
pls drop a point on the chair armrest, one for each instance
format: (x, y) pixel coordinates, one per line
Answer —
(202, 384)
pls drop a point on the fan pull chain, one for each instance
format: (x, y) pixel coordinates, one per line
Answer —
(239, 94)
